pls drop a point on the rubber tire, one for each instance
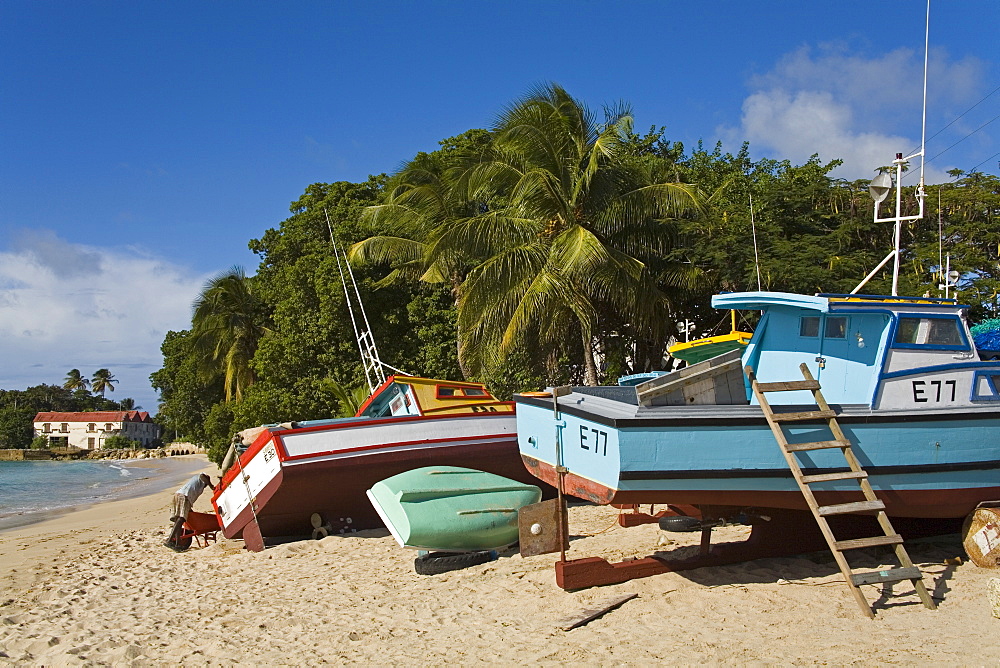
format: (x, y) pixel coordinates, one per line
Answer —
(436, 563)
(679, 523)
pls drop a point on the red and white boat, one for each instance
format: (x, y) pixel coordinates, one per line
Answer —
(293, 470)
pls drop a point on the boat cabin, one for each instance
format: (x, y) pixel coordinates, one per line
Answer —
(410, 395)
(888, 352)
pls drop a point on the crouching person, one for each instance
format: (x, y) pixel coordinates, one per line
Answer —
(183, 500)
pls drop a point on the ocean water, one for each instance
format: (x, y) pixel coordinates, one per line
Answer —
(31, 491)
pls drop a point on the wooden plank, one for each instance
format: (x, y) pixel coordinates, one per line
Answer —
(856, 507)
(890, 575)
(874, 541)
(816, 445)
(590, 614)
(803, 416)
(789, 386)
(827, 477)
(657, 387)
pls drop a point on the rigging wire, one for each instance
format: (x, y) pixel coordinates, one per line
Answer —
(960, 116)
(966, 137)
(982, 163)
(955, 120)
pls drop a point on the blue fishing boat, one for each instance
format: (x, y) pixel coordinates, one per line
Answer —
(919, 405)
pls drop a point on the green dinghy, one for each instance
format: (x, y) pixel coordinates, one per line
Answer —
(448, 508)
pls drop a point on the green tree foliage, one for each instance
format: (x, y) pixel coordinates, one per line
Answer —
(551, 249)
(548, 224)
(186, 397)
(76, 381)
(19, 407)
(103, 381)
(119, 442)
(228, 323)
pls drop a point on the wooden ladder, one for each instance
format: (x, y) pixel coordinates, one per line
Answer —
(907, 570)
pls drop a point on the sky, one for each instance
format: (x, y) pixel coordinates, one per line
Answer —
(143, 145)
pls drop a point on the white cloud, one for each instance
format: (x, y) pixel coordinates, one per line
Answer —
(65, 306)
(842, 105)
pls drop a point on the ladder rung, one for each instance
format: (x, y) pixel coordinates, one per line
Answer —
(826, 477)
(789, 386)
(856, 507)
(875, 541)
(816, 445)
(889, 575)
(803, 416)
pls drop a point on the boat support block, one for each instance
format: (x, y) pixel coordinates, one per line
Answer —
(782, 533)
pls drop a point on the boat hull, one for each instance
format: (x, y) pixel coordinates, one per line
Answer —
(292, 474)
(921, 463)
(448, 508)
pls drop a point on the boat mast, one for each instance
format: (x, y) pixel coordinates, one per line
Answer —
(883, 183)
(375, 368)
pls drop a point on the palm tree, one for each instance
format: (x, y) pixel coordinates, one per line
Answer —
(227, 325)
(128, 404)
(75, 381)
(103, 381)
(553, 222)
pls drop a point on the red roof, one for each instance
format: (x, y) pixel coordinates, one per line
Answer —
(97, 416)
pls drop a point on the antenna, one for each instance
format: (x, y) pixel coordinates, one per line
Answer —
(756, 258)
(375, 373)
(882, 183)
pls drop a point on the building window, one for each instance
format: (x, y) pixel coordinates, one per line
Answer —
(46, 428)
(90, 442)
(109, 427)
(65, 428)
(91, 427)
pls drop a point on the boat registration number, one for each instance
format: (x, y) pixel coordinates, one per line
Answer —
(594, 439)
(936, 391)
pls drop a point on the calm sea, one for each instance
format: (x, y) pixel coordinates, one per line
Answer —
(31, 491)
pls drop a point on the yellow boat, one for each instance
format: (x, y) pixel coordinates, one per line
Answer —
(700, 350)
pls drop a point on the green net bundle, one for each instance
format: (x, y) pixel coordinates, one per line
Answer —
(986, 334)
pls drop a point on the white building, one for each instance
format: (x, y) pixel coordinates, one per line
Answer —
(88, 431)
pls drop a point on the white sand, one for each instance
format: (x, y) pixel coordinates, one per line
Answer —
(98, 587)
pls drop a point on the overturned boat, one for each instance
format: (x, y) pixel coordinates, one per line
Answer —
(449, 508)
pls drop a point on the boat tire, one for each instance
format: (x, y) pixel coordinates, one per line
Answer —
(678, 523)
(436, 563)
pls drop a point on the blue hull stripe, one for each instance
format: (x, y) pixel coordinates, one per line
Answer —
(694, 474)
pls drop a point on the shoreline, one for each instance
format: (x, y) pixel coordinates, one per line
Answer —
(27, 548)
(97, 587)
(174, 470)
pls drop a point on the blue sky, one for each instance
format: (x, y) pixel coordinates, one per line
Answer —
(142, 145)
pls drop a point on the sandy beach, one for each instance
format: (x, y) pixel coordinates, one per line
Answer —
(97, 587)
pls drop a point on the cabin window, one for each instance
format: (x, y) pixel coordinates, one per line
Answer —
(809, 325)
(935, 332)
(836, 327)
(986, 386)
(474, 392)
(444, 392)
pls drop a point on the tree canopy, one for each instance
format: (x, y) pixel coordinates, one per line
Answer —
(553, 247)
